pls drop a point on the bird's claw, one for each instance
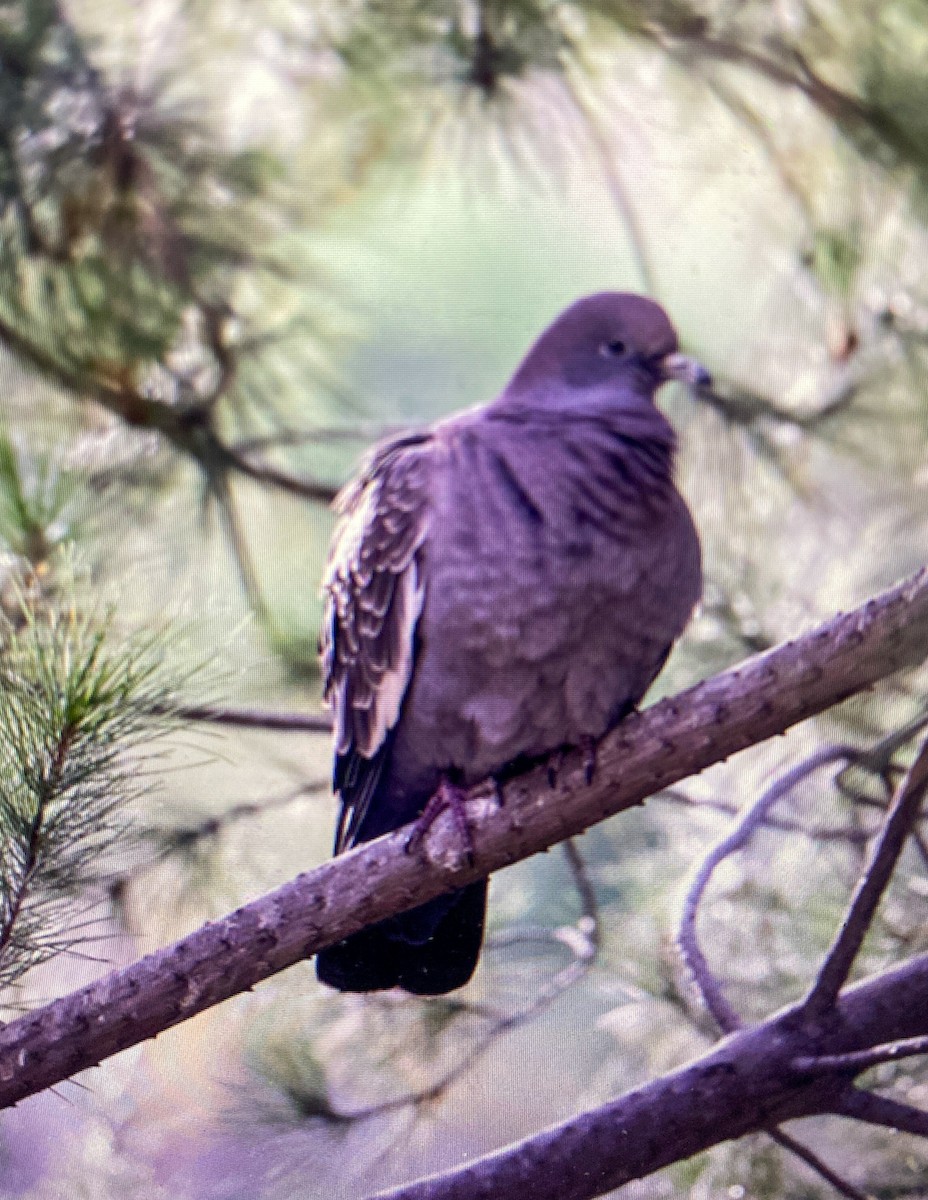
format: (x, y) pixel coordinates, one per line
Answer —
(588, 751)
(449, 797)
(554, 764)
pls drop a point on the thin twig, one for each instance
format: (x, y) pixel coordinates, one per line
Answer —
(262, 472)
(585, 890)
(834, 103)
(902, 815)
(882, 1110)
(252, 718)
(185, 838)
(714, 998)
(583, 942)
(248, 574)
(361, 431)
(812, 1160)
(857, 1061)
(815, 833)
(878, 758)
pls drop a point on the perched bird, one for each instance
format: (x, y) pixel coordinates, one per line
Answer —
(502, 585)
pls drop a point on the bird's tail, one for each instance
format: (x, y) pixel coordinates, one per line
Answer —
(429, 950)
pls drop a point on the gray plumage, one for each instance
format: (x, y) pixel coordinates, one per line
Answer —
(502, 585)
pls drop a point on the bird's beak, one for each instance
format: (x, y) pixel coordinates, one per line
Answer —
(684, 369)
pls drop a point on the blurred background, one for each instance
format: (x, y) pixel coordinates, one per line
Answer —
(239, 241)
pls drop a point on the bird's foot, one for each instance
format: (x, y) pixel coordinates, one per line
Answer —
(588, 750)
(450, 797)
(554, 765)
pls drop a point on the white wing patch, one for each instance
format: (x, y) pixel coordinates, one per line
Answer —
(374, 594)
(408, 598)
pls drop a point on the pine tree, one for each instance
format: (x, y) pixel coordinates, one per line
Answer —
(238, 241)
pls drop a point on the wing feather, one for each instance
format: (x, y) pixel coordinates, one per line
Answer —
(374, 592)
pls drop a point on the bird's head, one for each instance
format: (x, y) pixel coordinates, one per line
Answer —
(607, 344)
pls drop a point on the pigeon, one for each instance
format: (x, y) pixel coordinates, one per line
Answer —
(502, 585)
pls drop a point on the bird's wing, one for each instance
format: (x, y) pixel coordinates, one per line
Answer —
(374, 591)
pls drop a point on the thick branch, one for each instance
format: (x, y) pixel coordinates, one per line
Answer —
(647, 752)
(744, 1085)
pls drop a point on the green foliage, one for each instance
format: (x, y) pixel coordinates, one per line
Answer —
(77, 704)
(77, 292)
(137, 253)
(293, 1070)
(836, 259)
(894, 90)
(35, 503)
(444, 44)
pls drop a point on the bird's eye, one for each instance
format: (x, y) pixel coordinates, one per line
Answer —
(613, 349)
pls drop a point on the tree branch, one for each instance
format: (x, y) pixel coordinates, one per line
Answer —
(254, 718)
(753, 819)
(812, 1160)
(188, 428)
(883, 1110)
(815, 833)
(271, 476)
(903, 813)
(839, 106)
(648, 751)
(744, 1085)
(583, 942)
(863, 1060)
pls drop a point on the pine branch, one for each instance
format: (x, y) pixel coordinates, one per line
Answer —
(122, 236)
(647, 752)
(72, 702)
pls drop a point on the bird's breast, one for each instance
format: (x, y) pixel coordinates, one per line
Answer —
(540, 627)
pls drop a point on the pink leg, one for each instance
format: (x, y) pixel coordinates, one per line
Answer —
(449, 797)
